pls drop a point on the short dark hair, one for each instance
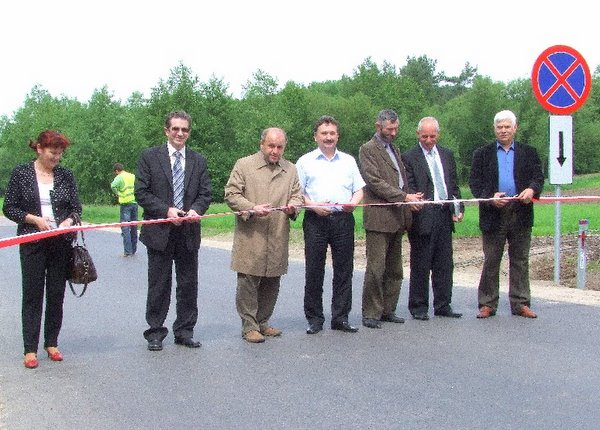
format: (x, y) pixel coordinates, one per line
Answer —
(178, 114)
(118, 167)
(326, 119)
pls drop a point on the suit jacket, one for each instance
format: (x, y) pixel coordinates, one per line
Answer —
(484, 182)
(382, 178)
(420, 180)
(154, 193)
(23, 197)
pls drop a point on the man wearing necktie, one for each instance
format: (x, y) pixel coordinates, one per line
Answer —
(431, 170)
(385, 176)
(171, 182)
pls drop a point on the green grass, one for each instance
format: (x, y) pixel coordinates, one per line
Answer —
(223, 226)
(579, 182)
(571, 213)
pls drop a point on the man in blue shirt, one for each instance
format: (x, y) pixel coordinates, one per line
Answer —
(332, 187)
(506, 169)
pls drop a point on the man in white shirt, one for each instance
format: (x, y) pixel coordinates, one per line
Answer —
(332, 187)
(431, 170)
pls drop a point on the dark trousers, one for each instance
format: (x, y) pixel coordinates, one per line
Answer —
(43, 264)
(383, 276)
(337, 231)
(519, 241)
(129, 212)
(431, 254)
(255, 300)
(160, 268)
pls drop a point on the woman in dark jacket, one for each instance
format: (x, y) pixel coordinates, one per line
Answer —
(42, 195)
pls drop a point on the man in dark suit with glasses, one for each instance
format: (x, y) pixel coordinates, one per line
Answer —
(171, 182)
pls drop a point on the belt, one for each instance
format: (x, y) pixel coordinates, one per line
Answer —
(331, 215)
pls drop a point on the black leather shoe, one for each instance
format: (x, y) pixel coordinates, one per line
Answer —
(422, 317)
(344, 326)
(155, 345)
(448, 313)
(371, 323)
(392, 318)
(314, 328)
(189, 342)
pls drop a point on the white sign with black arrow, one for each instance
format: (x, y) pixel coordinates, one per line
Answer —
(560, 156)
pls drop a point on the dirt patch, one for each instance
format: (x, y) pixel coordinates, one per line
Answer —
(468, 259)
(542, 260)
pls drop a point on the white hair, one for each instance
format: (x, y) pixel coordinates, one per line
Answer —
(431, 119)
(505, 115)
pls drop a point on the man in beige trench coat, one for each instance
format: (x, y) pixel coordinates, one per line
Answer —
(264, 188)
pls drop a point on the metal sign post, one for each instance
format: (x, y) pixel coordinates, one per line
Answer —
(561, 82)
(557, 237)
(560, 169)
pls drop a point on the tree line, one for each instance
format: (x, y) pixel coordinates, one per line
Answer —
(104, 130)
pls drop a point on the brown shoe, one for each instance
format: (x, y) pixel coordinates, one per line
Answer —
(485, 312)
(525, 311)
(270, 331)
(253, 336)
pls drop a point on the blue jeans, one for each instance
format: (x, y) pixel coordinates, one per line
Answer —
(129, 212)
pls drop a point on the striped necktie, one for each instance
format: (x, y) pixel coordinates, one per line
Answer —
(178, 181)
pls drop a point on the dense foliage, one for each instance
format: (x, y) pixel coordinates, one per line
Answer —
(104, 130)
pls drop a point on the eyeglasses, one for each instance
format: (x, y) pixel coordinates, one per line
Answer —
(180, 129)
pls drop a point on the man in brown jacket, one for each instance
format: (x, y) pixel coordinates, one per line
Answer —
(384, 174)
(265, 188)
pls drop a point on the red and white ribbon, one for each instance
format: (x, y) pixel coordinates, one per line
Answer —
(26, 238)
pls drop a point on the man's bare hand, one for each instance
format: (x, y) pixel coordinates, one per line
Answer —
(289, 210)
(500, 203)
(192, 212)
(414, 198)
(322, 210)
(457, 218)
(175, 213)
(526, 196)
(348, 207)
(262, 210)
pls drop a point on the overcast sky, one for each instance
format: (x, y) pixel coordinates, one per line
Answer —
(73, 47)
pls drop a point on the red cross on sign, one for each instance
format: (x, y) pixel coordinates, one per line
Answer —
(561, 80)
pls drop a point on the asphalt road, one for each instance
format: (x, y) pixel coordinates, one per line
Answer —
(506, 372)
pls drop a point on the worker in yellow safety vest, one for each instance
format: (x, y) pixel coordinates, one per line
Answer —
(122, 186)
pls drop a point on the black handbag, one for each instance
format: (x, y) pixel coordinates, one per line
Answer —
(81, 266)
